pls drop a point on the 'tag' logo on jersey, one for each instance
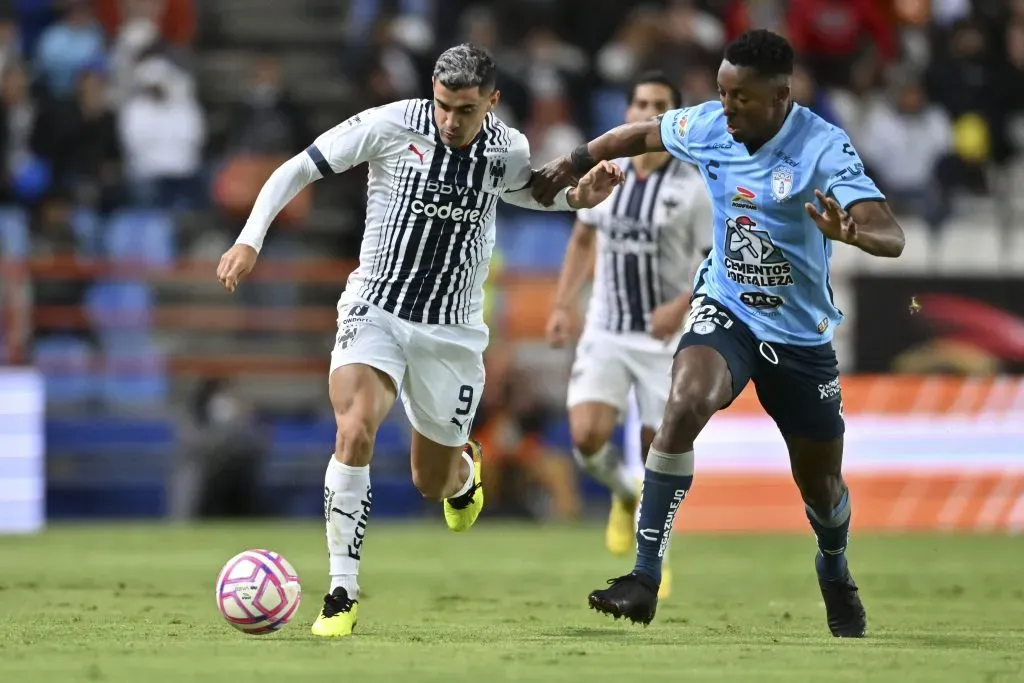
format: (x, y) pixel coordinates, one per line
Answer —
(744, 199)
(752, 258)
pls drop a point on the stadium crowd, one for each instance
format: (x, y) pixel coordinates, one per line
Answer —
(111, 138)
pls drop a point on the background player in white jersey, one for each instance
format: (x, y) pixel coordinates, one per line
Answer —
(410, 320)
(649, 236)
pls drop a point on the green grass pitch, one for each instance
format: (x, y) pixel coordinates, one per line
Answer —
(506, 602)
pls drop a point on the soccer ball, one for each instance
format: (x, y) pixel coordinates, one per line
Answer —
(258, 591)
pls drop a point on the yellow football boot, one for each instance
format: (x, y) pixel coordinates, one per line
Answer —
(620, 534)
(338, 617)
(665, 589)
(463, 513)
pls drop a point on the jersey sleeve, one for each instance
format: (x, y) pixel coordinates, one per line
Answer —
(587, 216)
(675, 132)
(846, 180)
(519, 168)
(351, 142)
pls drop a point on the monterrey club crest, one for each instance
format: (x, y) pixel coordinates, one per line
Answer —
(782, 183)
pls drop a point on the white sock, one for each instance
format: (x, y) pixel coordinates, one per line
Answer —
(472, 476)
(348, 498)
(610, 470)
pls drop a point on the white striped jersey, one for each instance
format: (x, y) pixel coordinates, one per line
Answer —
(652, 234)
(429, 208)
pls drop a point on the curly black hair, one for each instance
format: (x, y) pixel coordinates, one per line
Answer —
(768, 53)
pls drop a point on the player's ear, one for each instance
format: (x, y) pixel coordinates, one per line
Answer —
(494, 99)
(784, 92)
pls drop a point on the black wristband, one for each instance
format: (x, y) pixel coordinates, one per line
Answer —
(581, 159)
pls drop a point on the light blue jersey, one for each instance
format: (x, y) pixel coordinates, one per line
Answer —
(770, 263)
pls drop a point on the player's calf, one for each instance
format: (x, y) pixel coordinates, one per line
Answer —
(591, 425)
(817, 471)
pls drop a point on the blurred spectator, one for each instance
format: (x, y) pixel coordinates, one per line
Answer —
(66, 47)
(137, 32)
(807, 93)
(478, 25)
(174, 19)
(81, 144)
(220, 463)
(633, 46)
(743, 15)
(267, 121)
(831, 34)
(688, 26)
(10, 44)
(53, 236)
(25, 175)
(962, 80)
(162, 132)
(908, 142)
(699, 85)
(34, 16)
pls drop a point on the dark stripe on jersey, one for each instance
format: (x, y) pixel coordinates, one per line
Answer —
(653, 262)
(403, 217)
(439, 236)
(442, 308)
(617, 313)
(631, 262)
(401, 175)
(417, 227)
(318, 159)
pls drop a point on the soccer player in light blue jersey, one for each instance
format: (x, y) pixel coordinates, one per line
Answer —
(784, 185)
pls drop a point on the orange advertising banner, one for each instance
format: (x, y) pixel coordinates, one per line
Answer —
(922, 453)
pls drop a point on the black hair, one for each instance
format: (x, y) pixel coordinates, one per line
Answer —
(466, 66)
(658, 78)
(768, 53)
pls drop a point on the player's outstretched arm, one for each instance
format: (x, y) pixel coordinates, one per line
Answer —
(628, 140)
(288, 180)
(593, 188)
(579, 256)
(869, 225)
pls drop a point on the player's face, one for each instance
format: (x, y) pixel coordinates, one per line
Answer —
(459, 114)
(649, 100)
(753, 104)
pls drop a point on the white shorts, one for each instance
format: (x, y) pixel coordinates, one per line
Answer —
(438, 370)
(609, 364)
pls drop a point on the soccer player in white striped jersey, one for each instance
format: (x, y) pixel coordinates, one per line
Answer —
(410, 321)
(649, 238)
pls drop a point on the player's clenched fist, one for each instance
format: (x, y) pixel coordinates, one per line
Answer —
(235, 264)
(559, 327)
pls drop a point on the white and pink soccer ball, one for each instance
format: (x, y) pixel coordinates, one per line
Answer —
(258, 591)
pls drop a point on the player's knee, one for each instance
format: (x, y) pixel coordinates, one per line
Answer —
(588, 439)
(822, 493)
(689, 408)
(353, 443)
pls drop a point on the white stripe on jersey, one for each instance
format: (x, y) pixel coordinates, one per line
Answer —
(650, 235)
(430, 208)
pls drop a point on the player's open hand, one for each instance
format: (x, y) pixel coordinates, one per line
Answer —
(835, 223)
(559, 327)
(551, 179)
(596, 186)
(235, 264)
(667, 319)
